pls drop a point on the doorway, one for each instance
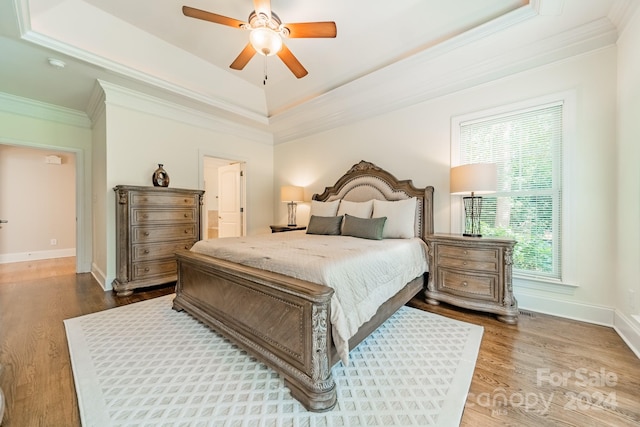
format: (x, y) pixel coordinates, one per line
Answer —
(224, 197)
(49, 176)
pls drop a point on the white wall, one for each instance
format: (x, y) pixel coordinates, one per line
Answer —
(627, 280)
(142, 132)
(27, 123)
(414, 143)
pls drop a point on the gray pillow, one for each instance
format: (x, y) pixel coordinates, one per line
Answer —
(365, 228)
(329, 225)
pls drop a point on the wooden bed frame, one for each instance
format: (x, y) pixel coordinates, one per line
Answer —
(285, 322)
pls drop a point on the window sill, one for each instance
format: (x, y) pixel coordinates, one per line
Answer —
(543, 284)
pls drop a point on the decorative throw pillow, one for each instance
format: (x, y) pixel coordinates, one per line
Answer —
(365, 228)
(324, 208)
(359, 209)
(401, 217)
(329, 225)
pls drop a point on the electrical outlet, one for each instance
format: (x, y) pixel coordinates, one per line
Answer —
(54, 242)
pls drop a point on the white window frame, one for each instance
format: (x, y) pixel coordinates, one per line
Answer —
(568, 100)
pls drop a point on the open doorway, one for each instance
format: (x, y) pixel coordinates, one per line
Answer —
(47, 176)
(224, 198)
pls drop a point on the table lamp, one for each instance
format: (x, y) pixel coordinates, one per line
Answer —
(473, 179)
(291, 194)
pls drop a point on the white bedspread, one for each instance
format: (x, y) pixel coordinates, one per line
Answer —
(363, 273)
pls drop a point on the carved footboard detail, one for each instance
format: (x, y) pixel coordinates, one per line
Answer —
(280, 320)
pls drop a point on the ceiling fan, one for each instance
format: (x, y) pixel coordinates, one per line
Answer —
(266, 33)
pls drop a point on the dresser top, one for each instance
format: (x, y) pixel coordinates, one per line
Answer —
(158, 189)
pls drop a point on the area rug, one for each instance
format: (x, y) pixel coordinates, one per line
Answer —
(145, 364)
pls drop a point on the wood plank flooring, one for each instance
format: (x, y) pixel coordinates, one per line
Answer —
(545, 371)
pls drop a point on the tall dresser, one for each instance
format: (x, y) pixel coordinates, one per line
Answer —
(151, 224)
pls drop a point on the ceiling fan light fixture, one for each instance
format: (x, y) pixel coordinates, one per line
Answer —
(265, 41)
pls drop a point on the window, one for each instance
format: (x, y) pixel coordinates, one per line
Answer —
(526, 145)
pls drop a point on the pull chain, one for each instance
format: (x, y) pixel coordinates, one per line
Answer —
(264, 82)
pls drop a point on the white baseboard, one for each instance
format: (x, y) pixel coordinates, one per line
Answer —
(629, 331)
(37, 255)
(100, 277)
(589, 313)
(625, 327)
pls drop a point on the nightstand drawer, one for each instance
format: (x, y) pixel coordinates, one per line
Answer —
(469, 258)
(147, 216)
(472, 286)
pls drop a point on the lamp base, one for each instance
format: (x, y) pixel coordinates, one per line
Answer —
(291, 214)
(471, 235)
(472, 211)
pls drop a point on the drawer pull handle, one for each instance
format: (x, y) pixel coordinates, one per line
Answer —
(146, 233)
(146, 251)
(186, 200)
(186, 231)
(186, 246)
(145, 216)
(146, 269)
(186, 215)
(464, 262)
(465, 284)
(465, 252)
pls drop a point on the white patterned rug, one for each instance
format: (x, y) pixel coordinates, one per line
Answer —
(145, 364)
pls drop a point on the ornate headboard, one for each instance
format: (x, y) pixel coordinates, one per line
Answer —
(366, 181)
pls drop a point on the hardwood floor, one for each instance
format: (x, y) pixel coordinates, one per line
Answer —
(545, 371)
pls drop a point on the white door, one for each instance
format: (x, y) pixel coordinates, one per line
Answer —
(229, 200)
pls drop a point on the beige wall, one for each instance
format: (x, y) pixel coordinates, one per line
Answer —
(415, 143)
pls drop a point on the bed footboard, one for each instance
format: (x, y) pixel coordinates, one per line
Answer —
(282, 321)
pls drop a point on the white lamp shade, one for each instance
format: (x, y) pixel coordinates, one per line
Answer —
(477, 178)
(291, 193)
(265, 41)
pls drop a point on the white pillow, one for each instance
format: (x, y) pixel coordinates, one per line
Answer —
(319, 208)
(359, 209)
(401, 217)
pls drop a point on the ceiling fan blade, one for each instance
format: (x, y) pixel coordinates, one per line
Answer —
(211, 17)
(292, 62)
(244, 57)
(312, 29)
(262, 6)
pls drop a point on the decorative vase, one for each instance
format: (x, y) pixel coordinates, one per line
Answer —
(160, 177)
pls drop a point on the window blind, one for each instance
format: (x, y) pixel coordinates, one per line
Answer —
(526, 145)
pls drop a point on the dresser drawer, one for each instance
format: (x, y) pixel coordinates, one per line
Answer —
(159, 199)
(150, 216)
(151, 251)
(143, 234)
(467, 285)
(149, 269)
(479, 259)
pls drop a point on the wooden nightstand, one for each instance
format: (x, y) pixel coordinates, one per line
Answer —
(282, 228)
(472, 272)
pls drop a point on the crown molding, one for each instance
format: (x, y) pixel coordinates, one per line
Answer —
(622, 13)
(410, 81)
(126, 98)
(41, 110)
